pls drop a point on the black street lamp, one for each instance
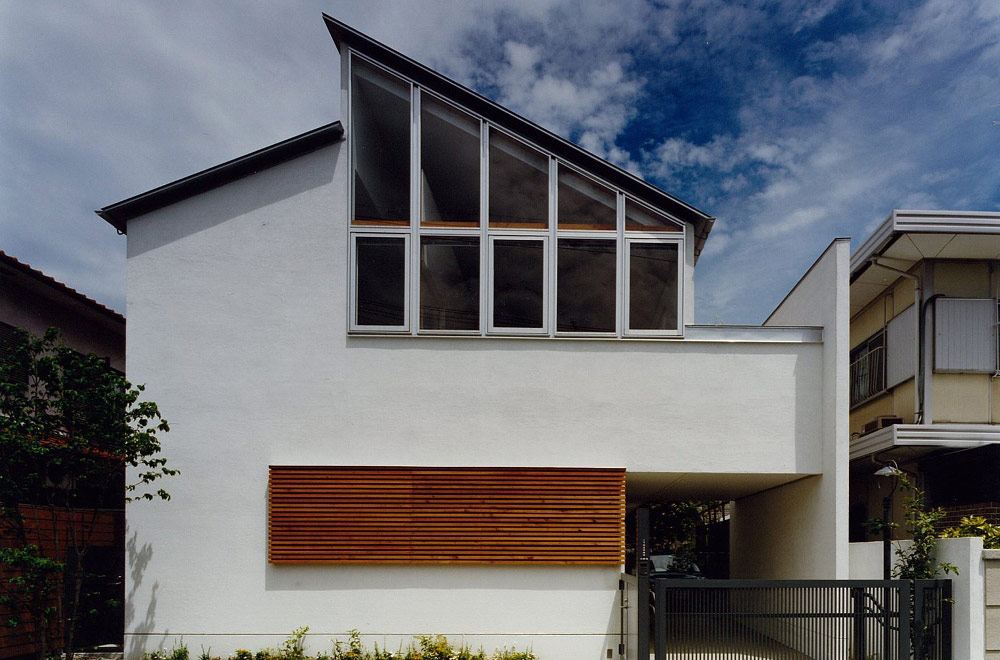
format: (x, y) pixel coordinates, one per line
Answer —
(892, 471)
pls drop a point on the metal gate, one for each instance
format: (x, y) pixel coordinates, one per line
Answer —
(789, 619)
(801, 619)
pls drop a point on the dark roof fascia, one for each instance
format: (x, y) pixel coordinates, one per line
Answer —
(120, 213)
(345, 35)
(889, 242)
(19, 266)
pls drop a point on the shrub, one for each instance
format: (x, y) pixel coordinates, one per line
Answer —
(293, 647)
(242, 654)
(976, 526)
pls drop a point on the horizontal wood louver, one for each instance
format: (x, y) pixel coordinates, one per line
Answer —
(446, 515)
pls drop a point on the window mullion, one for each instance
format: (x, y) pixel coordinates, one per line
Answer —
(485, 254)
(415, 209)
(622, 261)
(553, 247)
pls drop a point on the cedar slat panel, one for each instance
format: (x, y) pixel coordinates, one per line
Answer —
(446, 515)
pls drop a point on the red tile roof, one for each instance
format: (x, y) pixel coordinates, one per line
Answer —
(13, 263)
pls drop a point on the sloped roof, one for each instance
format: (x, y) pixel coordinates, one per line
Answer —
(344, 35)
(20, 267)
(119, 213)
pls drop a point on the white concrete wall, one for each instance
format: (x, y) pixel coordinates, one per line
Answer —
(968, 591)
(991, 570)
(800, 530)
(237, 305)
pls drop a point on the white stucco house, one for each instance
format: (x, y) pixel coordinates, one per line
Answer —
(419, 362)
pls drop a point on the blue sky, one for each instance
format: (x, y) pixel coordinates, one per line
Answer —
(792, 122)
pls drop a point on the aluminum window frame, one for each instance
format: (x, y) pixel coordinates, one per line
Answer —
(538, 235)
(550, 236)
(349, 107)
(637, 238)
(353, 325)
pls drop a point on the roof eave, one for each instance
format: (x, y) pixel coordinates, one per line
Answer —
(119, 213)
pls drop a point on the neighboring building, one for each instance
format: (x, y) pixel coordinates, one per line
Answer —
(924, 392)
(33, 301)
(418, 364)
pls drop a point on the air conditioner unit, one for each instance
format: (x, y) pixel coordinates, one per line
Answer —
(879, 423)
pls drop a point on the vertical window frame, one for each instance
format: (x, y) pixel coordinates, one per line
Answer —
(635, 238)
(538, 235)
(593, 234)
(349, 108)
(353, 325)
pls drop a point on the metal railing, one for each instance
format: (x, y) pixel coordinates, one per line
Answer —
(868, 375)
(802, 619)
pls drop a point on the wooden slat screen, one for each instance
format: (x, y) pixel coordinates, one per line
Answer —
(446, 515)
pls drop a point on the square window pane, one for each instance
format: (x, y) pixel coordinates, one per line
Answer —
(381, 280)
(639, 218)
(449, 283)
(652, 286)
(380, 137)
(449, 165)
(585, 204)
(518, 284)
(586, 286)
(519, 184)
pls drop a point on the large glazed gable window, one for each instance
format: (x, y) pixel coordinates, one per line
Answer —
(519, 184)
(449, 165)
(460, 226)
(380, 119)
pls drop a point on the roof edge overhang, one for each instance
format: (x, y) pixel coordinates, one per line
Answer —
(59, 288)
(344, 35)
(901, 222)
(925, 438)
(119, 213)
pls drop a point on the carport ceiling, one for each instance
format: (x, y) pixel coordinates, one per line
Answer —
(646, 487)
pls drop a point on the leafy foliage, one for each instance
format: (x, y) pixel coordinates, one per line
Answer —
(916, 561)
(69, 426)
(424, 647)
(976, 526)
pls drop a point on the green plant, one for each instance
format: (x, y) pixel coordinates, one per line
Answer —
(242, 654)
(916, 561)
(293, 647)
(976, 526)
(179, 652)
(265, 654)
(205, 655)
(68, 426)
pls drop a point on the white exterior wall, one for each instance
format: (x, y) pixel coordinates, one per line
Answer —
(237, 303)
(799, 530)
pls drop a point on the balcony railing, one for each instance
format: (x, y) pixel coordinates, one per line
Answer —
(868, 375)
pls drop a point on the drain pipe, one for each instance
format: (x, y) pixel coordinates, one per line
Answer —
(918, 391)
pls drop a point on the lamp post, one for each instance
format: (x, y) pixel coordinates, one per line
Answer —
(892, 471)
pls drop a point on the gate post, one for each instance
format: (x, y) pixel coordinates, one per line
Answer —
(642, 582)
(858, 596)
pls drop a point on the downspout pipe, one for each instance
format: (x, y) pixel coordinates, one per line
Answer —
(923, 313)
(918, 291)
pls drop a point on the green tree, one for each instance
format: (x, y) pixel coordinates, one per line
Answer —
(76, 439)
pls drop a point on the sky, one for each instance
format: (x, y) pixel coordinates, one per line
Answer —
(791, 121)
